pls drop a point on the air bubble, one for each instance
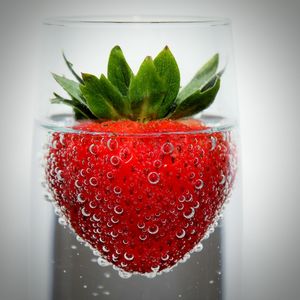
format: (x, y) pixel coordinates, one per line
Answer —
(85, 212)
(102, 240)
(189, 198)
(117, 190)
(62, 221)
(114, 234)
(185, 258)
(155, 269)
(102, 262)
(181, 234)
(93, 181)
(114, 220)
(126, 155)
(91, 149)
(167, 148)
(128, 257)
(192, 175)
(79, 239)
(106, 293)
(213, 143)
(109, 175)
(92, 204)
(118, 210)
(112, 144)
(96, 218)
(115, 257)
(58, 211)
(153, 177)
(199, 184)
(96, 253)
(59, 176)
(223, 180)
(197, 205)
(105, 249)
(180, 206)
(123, 264)
(143, 237)
(211, 229)
(150, 275)
(77, 184)
(124, 274)
(141, 225)
(61, 139)
(189, 214)
(115, 160)
(224, 136)
(198, 248)
(165, 257)
(157, 163)
(181, 198)
(153, 229)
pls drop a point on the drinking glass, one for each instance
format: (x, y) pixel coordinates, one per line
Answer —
(64, 265)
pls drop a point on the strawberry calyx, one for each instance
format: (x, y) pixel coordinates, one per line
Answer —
(152, 94)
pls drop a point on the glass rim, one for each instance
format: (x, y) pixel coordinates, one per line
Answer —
(223, 125)
(70, 21)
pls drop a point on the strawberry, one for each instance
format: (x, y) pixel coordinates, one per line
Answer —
(137, 182)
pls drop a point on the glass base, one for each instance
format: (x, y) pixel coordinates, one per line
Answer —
(77, 275)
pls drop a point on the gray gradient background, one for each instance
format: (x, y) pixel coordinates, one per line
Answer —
(267, 49)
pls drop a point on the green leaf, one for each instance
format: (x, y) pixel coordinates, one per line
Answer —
(146, 91)
(103, 99)
(80, 110)
(70, 67)
(168, 70)
(201, 78)
(197, 102)
(70, 86)
(118, 71)
(212, 81)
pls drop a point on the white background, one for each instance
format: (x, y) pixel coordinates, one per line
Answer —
(267, 49)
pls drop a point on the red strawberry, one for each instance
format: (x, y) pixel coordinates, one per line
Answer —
(143, 198)
(139, 184)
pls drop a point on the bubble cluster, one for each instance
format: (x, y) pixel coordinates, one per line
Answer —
(143, 203)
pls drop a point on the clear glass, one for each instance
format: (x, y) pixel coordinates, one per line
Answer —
(65, 265)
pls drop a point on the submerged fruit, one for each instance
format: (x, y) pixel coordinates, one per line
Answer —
(143, 195)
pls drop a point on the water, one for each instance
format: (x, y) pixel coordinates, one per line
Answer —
(64, 266)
